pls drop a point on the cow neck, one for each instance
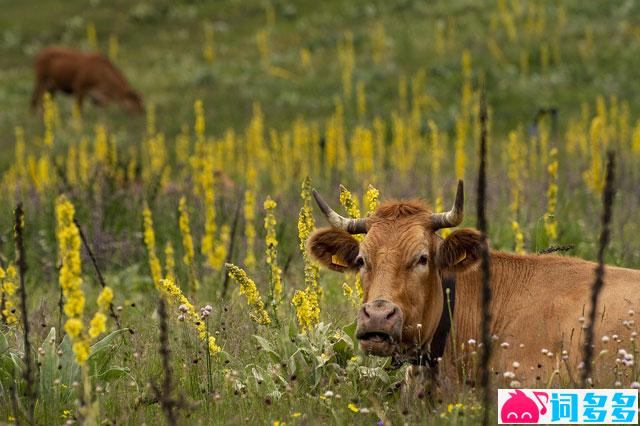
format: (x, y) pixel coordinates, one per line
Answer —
(435, 349)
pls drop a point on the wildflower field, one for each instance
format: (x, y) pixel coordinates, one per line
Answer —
(162, 255)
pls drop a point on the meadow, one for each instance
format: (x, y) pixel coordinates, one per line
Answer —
(200, 207)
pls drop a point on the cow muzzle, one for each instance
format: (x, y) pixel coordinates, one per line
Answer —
(379, 327)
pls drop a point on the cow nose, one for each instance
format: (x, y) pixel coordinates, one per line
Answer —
(379, 316)
(380, 309)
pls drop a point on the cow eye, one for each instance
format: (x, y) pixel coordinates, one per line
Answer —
(423, 260)
(359, 262)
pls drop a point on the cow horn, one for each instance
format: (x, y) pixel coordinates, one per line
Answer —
(352, 226)
(454, 216)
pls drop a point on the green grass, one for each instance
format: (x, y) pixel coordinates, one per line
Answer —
(161, 55)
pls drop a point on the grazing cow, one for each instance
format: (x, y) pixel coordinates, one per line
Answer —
(82, 74)
(538, 306)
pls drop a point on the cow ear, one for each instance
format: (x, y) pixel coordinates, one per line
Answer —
(459, 250)
(334, 248)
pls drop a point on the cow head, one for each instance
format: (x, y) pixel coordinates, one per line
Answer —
(132, 101)
(401, 262)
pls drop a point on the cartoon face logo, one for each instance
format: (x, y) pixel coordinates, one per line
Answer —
(519, 408)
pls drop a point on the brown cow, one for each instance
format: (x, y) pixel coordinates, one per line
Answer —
(82, 74)
(538, 307)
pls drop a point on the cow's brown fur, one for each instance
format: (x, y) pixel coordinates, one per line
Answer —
(82, 75)
(537, 299)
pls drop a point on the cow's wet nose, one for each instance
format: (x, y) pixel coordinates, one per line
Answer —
(380, 316)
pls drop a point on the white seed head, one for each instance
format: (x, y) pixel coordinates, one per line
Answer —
(328, 394)
(504, 345)
(581, 319)
(471, 342)
(605, 339)
(515, 365)
(544, 351)
(509, 375)
(634, 385)
(515, 384)
(631, 312)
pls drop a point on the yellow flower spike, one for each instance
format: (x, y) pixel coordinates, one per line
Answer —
(8, 287)
(353, 407)
(307, 308)
(169, 260)
(174, 295)
(81, 351)
(249, 229)
(248, 288)
(349, 202)
(371, 199)
(271, 241)
(73, 327)
(306, 224)
(550, 222)
(97, 325)
(48, 116)
(105, 298)
(150, 243)
(70, 279)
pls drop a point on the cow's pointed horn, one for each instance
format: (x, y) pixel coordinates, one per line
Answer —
(352, 226)
(454, 216)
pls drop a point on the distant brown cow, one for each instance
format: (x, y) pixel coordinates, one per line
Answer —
(412, 277)
(82, 74)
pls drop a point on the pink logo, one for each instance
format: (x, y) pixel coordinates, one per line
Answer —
(519, 408)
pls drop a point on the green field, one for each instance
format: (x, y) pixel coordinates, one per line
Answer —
(355, 93)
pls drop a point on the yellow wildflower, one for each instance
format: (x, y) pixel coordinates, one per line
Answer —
(169, 260)
(250, 291)
(249, 228)
(519, 237)
(97, 325)
(353, 407)
(70, 279)
(150, 242)
(349, 202)
(307, 308)
(371, 199)
(550, 223)
(185, 230)
(275, 277)
(172, 293)
(8, 287)
(81, 351)
(73, 327)
(104, 298)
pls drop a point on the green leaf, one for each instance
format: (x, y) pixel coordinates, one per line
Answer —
(113, 373)
(266, 346)
(48, 362)
(102, 351)
(4, 345)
